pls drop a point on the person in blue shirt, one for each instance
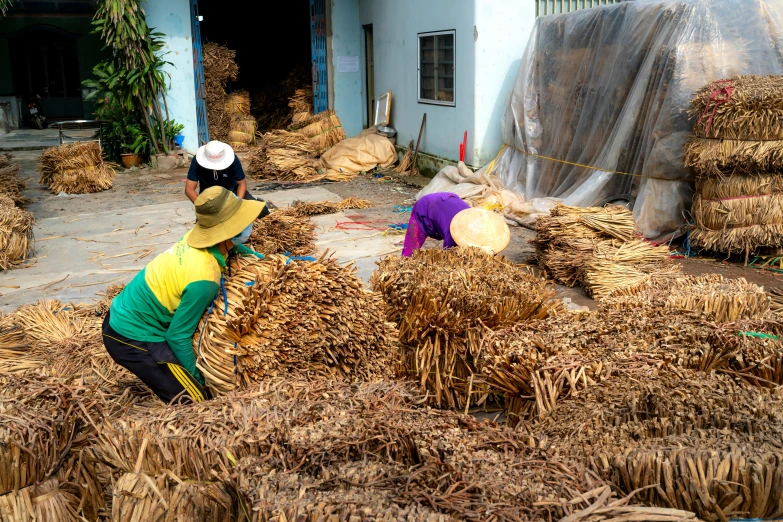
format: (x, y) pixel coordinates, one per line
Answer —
(216, 165)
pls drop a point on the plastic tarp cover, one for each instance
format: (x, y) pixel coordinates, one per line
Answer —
(361, 153)
(608, 87)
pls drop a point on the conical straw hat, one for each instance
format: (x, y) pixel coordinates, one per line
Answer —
(476, 227)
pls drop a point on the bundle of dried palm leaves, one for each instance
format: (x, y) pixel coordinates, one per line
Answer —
(718, 158)
(316, 208)
(444, 302)
(282, 233)
(75, 168)
(10, 184)
(596, 248)
(16, 233)
(739, 108)
(242, 133)
(285, 156)
(324, 130)
(167, 498)
(312, 317)
(302, 105)
(42, 501)
(220, 67)
(718, 298)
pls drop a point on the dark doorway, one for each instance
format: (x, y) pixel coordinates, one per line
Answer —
(272, 42)
(45, 61)
(369, 67)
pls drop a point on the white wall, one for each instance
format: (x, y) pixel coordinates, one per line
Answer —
(172, 17)
(395, 26)
(503, 28)
(346, 88)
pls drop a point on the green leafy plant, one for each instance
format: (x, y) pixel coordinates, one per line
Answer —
(5, 5)
(138, 142)
(134, 75)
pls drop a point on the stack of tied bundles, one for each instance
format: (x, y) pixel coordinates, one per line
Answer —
(220, 68)
(75, 168)
(16, 224)
(445, 302)
(737, 155)
(243, 125)
(598, 248)
(285, 156)
(280, 317)
(317, 208)
(324, 130)
(283, 232)
(301, 104)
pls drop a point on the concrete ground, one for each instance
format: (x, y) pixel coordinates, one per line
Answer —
(29, 139)
(87, 242)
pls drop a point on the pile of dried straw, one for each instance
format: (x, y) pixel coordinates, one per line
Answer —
(597, 248)
(445, 302)
(315, 208)
(16, 233)
(282, 233)
(283, 317)
(324, 130)
(75, 168)
(286, 156)
(220, 68)
(10, 184)
(737, 155)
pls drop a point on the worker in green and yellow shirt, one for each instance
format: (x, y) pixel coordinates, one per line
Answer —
(150, 325)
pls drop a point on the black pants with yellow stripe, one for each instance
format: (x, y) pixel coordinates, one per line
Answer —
(155, 364)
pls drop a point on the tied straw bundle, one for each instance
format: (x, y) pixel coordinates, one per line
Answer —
(406, 163)
(597, 249)
(302, 105)
(314, 317)
(444, 302)
(10, 184)
(75, 168)
(281, 233)
(243, 125)
(315, 208)
(285, 156)
(324, 130)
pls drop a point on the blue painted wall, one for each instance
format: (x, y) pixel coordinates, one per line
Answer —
(347, 87)
(172, 17)
(395, 28)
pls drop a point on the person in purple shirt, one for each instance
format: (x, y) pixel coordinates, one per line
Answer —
(434, 216)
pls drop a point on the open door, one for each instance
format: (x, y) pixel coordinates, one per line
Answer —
(369, 67)
(318, 44)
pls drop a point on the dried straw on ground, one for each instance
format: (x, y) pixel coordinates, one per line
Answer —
(286, 156)
(281, 233)
(444, 302)
(316, 208)
(753, 110)
(238, 103)
(16, 233)
(324, 130)
(596, 248)
(219, 68)
(311, 317)
(75, 168)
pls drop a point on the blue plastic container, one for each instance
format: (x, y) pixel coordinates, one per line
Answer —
(179, 139)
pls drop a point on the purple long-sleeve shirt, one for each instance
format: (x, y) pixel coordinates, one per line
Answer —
(431, 217)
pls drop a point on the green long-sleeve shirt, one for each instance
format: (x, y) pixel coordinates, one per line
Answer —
(165, 301)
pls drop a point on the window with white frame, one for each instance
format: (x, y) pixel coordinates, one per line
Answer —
(436, 67)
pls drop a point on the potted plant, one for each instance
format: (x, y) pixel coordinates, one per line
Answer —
(136, 149)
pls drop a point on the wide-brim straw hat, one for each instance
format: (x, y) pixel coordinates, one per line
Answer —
(215, 155)
(220, 215)
(476, 227)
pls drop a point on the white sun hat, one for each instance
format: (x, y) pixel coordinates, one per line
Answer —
(215, 155)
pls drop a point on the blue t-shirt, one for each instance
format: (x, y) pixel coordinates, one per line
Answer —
(226, 178)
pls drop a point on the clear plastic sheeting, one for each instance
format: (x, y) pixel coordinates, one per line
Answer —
(598, 109)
